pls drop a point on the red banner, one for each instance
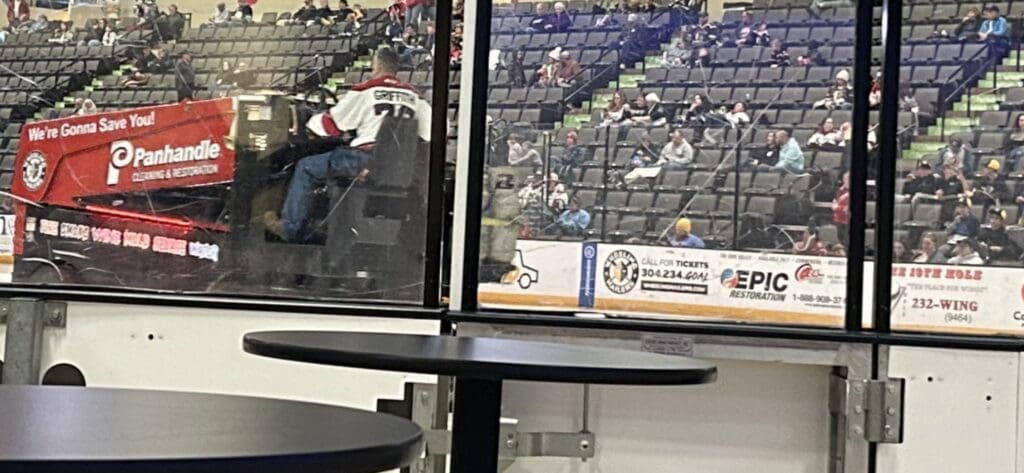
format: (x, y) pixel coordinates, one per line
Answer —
(143, 149)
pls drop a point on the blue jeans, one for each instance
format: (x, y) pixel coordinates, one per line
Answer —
(312, 172)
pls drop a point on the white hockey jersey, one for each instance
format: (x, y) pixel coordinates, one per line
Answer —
(364, 108)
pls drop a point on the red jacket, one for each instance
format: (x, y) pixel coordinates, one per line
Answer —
(22, 10)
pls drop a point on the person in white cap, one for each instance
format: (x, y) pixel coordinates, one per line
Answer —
(838, 94)
(547, 73)
(649, 111)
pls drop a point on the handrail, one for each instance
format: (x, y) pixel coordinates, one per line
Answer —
(966, 81)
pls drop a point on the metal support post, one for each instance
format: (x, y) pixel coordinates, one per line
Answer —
(24, 342)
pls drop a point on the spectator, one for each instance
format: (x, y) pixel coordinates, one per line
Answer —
(184, 78)
(40, 25)
(705, 31)
(414, 45)
(521, 152)
(396, 13)
(957, 154)
(351, 25)
(532, 193)
(634, 38)
(224, 80)
(243, 77)
(746, 22)
(567, 71)
(343, 10)
(679, 55)
(964, 225)
(826, 137)
(649, 111)
(357, 10)
(171, 24)
(990, 188)
(560, 21)
(306, 14)
(901, 253)
(94, 33)
(1018, 198)
(221, 15)
(1000, 246)
(517, 69)
(573, 157)
(738, 115)
(681, 236)
(921, 182)
(908, 103)
(766, 155)
(841, 208)
(617, 112)
(995, 31)
(135, 78)
(951, 188)
(696, 114)
(678, 153)
(701, 60)
(813, 56)
(966, 253)
(969, 25)
(762, 37)
(243, 12)
(413, 12)
(88, 108)
(63, 34)
(875, 94)
(1013, 146)
(542, 21)
(574, 221)
(17, 11)
(810, 243)
(646, 152)
(157, 61)
(928, 250)
(557, 197)
(791, 157)
(779, 54)
(839, 94)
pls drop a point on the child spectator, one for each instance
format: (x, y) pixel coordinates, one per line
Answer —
(243, 13)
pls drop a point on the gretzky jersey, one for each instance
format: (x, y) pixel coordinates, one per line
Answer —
(364, 108)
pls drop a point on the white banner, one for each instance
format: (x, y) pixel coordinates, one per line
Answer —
(967, 299)
(547, 274)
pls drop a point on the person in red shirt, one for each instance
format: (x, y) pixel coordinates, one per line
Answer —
(17, 10)
(841, 208)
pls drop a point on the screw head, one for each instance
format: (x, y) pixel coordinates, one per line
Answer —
(891, 411)
(858, 431)
(584, 445)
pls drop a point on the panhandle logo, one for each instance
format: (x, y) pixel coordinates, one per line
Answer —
(807, 273)
(124, 153)
(621, 272)
(33, 172)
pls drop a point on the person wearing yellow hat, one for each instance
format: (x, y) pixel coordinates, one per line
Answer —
(990, 188)
(682, 238)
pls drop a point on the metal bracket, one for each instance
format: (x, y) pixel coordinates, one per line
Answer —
(874, 408)
(55, 313)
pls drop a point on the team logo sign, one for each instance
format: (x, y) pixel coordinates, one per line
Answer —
(33, 171)
(621, 272)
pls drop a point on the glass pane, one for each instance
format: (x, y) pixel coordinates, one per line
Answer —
(959, 193)
(254, 152)
(658, 162)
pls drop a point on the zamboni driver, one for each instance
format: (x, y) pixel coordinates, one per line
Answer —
(361, 111)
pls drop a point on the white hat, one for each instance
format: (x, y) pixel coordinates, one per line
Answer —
(632, 17)
(652, 97)
(843, 75)
(555, 53)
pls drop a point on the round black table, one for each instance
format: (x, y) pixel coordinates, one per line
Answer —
(85, 430)
(479, 366)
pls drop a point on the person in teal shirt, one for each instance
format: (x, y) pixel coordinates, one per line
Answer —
(574, 221)
(994, 31)
(791, 157)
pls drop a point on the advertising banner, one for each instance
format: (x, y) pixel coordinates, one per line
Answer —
(964, 299)
(547, 275)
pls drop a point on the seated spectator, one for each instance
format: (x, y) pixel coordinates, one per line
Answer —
(922, 181)
(96, 32)
(696, 115)
(1013, 146)
(779, 55)
(357, 10)
(542, 21)
(738, 116)
(841, 208)
(568, 70)
(40, 25)
(951, 189)
(762, 37)
(957, 154)
(547, 74)
(17, 11)
(706, 31)
(678, 153)
(224, 80)
(306, 14)
(679, 54)
(517, 68)
(1018, 198)
(243, 12)
(634, 40)
(928, 250)
(88, 108)
(411, 44)
(648, 111)
(521, 152)
(766, 155)
(901, 252)
(811, 243)
(63, 34)
(826, 136)
(966, 253)
(681, 236)
(574, 221)
(1000, 246)
(343, 10)
(646, 153)
(969, 25)
(995, 31)
(837, 250)
(243, 77)
(964, 225)
(157, 62)
(573, 157)
(532, 193)
(791, 157)
(351, 26)
(558, 199)
(875, 94)
(135, 78)
(908, 103)
(746, 23)
(221, 15)
(560, 21)
(839, 95)
(617, 112)
(813, 56)
(990, 188)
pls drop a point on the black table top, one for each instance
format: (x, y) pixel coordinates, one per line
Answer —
(72, 429)
(481, 358)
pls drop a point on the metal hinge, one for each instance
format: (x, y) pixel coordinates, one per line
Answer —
(874, 408)
(55, 313)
